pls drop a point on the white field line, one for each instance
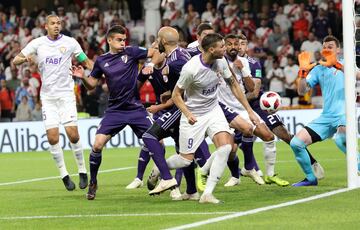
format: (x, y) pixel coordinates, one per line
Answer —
(114, 215)
(58, 177)
(126, 168)
(258, 210)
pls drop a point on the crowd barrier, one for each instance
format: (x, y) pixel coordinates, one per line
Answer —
(30, 136)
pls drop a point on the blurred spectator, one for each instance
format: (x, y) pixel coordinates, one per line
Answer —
(284, 50)
(282, 20)
(263, 32)
(335, 19)
(152, 18)
(247, 25)
(147, 95)
(312, 8)
(300, 38)
(210, 14)
(36, 113)
(23, 111)
(221, 8)
(301, 24)
(276, 78)
(321, 25)
(64, 29)
(14, 82)
(6, 102)
(292, 10)
(312, 45)
(231, 20)
(170, 11)
(291, 72)
(38, 31)
(274, 40)
(27, 91)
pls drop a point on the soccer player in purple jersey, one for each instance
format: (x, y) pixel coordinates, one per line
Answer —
(273, 121)
(120, 68)
(158, 84)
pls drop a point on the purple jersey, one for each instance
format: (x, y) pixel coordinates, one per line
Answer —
(157, 82)
(121, 71)
(175, 60)
(193, 51)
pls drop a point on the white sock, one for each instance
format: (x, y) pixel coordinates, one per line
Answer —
(177, 161)
(217, 167)
(206, 167)
(79, 156)
(270, 157)
(58, 156)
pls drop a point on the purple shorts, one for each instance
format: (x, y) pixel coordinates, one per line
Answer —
(229, 113)
(114, 121)
(271, 120)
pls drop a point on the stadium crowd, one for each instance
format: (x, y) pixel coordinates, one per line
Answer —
(277, 33)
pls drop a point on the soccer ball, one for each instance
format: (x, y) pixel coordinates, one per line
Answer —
(270, 101)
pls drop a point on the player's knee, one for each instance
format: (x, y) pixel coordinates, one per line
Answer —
(74, 138)
(97, 147)
(268, 136)
(53, 139)
(296, 144)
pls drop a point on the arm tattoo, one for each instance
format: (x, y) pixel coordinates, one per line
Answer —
(229, 81)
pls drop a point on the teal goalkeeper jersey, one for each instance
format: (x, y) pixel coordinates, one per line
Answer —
(332, 84)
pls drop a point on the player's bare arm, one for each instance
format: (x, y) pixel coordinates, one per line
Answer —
(255, 93)
(247, 79)
(156, 59)
(89, 82)
(20, 59)
(179, 102)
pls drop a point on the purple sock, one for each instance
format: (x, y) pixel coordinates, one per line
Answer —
(247, 148)
(202, 154)
(144, 158)
(95, 162)
(178, 176)
(158, 156)
(234, 167)
(189, 174)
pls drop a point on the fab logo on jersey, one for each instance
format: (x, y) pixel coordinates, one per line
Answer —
(52, 60)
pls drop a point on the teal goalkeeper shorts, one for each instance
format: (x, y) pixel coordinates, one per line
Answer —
(326, 126)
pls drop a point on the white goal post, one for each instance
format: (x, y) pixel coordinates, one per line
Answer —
(350, 80)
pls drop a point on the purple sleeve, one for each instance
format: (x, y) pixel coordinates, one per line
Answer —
(176, 66)
(137, 52)
(96, 72)
(256, 70)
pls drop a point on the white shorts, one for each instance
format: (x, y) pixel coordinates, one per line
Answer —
(211, 123)
(59, 111)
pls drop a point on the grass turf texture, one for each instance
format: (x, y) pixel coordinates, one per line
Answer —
(49, 197)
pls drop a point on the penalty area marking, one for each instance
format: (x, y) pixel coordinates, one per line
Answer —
(113, 215)
(258, 210)
(58, 177)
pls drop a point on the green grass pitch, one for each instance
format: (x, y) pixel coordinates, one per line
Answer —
(118, 208)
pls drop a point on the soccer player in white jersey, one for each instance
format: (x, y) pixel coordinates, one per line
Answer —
(241, 67)
(201, 113)
(54, 53)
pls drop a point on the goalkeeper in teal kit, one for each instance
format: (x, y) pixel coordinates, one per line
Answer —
(330, 76)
